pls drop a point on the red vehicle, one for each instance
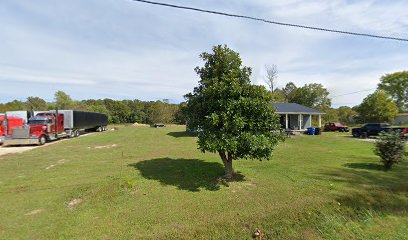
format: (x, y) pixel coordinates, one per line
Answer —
(49, 126)
(335, 127)
(6, 127)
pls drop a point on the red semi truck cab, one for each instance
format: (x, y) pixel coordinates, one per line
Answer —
(7, 124)
(44, 127)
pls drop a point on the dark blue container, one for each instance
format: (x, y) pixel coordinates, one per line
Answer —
(311, 131)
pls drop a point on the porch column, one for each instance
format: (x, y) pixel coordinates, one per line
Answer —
(310, 120)
(320, 121)
(286, 121)
(300, 122)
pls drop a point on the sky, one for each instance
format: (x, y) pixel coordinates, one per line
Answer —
(122, 49)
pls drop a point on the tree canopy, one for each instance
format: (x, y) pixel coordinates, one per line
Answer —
(377, 107)
(310, 95)
(36, 103)
(63, 100)
(232, 116)
(118, 111)
(396, 85)
(346, 114)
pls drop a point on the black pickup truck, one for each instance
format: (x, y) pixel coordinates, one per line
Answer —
(373, 129)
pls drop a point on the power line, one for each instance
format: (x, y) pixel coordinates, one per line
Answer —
(273, 22)
(365, 90)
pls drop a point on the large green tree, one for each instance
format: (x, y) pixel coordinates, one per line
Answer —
(396, 85)
(36, 103)
(289, 91)
(311, 95)
(119, 112)
(180, 116)
(278, 96)
(377, 107)
(233, 117)
(63, 100)
(346, 114)
(160, 112)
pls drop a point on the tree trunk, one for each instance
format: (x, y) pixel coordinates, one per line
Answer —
(229, 172)
(227, 160)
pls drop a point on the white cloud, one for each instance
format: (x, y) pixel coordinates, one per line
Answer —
(123, 49)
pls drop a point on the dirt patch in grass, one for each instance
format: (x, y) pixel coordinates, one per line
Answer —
(104, 146)
(372, 139)
(140, 125)
(12, 149)
(59, 162)
(5, 150)
(73, 203)
(49, 167)
(34, 212)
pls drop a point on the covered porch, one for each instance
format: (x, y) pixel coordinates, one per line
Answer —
(298, 121)
(294, 116)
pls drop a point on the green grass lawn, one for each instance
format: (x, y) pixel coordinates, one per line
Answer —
(146, 183)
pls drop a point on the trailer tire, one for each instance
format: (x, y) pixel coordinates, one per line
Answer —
(99, 129)
(76, 133)
(42, 140)
(72, 134)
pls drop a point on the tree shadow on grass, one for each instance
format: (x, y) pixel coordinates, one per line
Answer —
(381, 191)
(181, 134)
(366, 166)
(186, 174)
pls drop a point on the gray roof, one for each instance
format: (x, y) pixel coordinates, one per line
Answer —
(294, 108)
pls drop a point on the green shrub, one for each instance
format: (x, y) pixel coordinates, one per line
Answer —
(390, 147)
(128, 183)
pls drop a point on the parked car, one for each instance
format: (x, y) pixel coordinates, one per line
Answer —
(332, 126)
(373, 129)
(158, 125)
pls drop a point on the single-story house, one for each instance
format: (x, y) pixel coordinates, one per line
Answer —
(401, 119)
(295, 116)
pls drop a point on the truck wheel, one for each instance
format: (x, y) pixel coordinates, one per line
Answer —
(72, 134)
(356, 135)
(99, 129)
(42, 140)
(76, 133)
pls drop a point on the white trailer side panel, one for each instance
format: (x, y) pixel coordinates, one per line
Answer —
(68, 118)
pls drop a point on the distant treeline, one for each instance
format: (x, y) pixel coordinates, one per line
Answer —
(118, 111)
(381, 106)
